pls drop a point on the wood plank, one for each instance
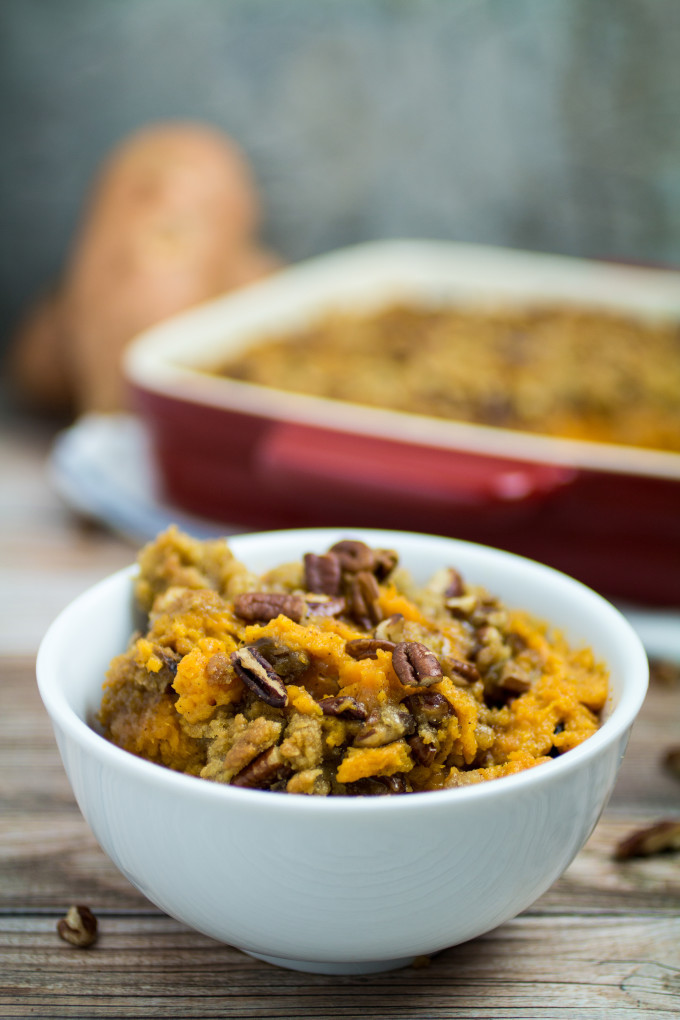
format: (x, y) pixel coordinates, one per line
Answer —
(527, 968)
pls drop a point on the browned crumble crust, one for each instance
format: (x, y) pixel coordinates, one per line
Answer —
(337, 675)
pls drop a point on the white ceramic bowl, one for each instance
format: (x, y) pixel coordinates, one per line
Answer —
(339, 885)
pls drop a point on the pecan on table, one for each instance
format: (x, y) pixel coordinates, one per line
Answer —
(654, 839)
(79, 927)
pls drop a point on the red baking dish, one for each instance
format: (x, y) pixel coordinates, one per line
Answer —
(253, 456)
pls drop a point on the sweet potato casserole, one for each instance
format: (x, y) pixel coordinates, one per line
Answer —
(337, 675)
(574, 372)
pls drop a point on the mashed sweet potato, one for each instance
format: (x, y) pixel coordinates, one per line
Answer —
(337, 675)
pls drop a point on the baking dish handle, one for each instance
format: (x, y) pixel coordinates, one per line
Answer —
(317, 461)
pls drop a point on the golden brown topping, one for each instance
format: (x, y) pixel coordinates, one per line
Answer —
(379, 688)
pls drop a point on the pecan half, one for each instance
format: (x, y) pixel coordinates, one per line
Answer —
(415, 664)
(353, 555)
(362, 600)
(257, 674)
(269, 767)
(368, 648)
(322, 573)
(79, 927)
(655, 839)
(344, 706)
(263, 606)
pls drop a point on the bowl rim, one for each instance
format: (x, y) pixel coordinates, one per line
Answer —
(77, 729)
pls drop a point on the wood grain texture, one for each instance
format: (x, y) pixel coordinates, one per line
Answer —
(604, 941)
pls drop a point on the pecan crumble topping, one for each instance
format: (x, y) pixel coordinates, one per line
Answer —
(337, 675)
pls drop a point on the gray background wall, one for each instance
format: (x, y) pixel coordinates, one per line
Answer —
(544, 124)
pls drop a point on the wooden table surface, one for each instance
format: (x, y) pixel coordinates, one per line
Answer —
(603, 942)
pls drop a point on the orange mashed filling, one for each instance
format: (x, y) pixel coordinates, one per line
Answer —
(336, 675)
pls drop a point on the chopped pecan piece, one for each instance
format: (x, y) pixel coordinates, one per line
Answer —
(391, 629)
(257, 674)
(354, 556)
(423, 752)
(79, 927)
(322, 573)
(263, 606)
(514, 679)
(385, 725)
(367, 648)
(455, 588)
(362, 600)
(345, 706)
(376, 786)
(654, 839)
(267, 768)
(466, 670)
(286, 662)
(384, 562)
(324, 605)
(462, 605)
(415, 664)
(428, 706)
(168, 657)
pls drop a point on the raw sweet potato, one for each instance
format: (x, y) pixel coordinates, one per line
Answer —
(171, 222)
